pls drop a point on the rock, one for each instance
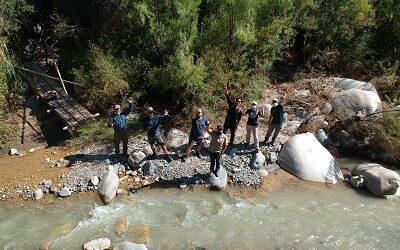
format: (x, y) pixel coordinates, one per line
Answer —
(94, 180)
(149, 169)
(352, 101)
(321, 136)
(344, 138)
(38, 194)
(126, 245)
(219, 182)
(65, 192)
(13, 151)
(262, 172)
(47, 183)
(97, 244)
(45, 245)
(53, 190)
(272, 157)
(328, 107)
(302, 92)
(357, 181)
(377, 179)
(135, 159)
(257, 161)
(303, 156)
(301, 112)
(345, 84)
(233, 151)
(108, 186)
(177, 139)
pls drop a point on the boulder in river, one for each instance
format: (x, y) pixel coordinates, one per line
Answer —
(177, 139)
(303, 156)
(257, 161)
(108, 186)
(126, 245)
(219, 182)
(377, 179)
(97, 244)
(135, 159)
(353, 101)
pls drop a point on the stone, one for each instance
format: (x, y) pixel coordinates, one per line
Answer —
(45, 245)
(219, 182)
(352, 101)
(377, 179)
(233, 151)
(328, 107)
(13, 151)
(97, 244)
(303, 156)
(321, 136)
(38, 194)
(177, 139)
(65, 192)
(301, 112)
(135, 159)
(108, 186)
(126, 245)
(94, 180)
(345, 84)
(357, 181)
(257, 161)
(262, 172)
(149, 169)
(302, 92)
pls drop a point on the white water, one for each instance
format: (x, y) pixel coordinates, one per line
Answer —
(303, 217)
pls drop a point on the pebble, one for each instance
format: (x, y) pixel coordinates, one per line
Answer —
(65, 192)
(38, 194)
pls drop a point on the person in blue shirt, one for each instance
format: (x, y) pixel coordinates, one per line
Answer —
(120, 125)
(200, 125)
(151, 124)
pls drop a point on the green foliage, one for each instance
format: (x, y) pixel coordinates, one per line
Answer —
(103, 80)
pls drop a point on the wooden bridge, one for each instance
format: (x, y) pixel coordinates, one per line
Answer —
(67, 108)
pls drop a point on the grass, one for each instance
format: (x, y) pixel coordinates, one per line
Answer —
(8, 131)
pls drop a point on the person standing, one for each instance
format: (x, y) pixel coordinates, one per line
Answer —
(120, 125)
(233, 116)
(151, 124)
(200, 125)
(252, 124)
(275, 122)
(217, 148)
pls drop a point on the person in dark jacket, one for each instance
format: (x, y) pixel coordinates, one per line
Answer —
(252, 124)
(275, 122)
(233, 116)
(120, 125)
(151, 124)
(200, 125)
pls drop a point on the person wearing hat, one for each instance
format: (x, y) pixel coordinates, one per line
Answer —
(275, 122)
(217, 148)
(120, 125)
(200, 125)
(233, 115)
(252, 124)
(151, 124)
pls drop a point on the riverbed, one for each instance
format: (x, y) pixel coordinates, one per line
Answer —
(302, 216)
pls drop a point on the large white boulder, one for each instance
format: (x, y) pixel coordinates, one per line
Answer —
(126, 245)
(303, 156)
(345, 84)
(108, 186)
(176, 139)
(97, 244)
(219, 182)
(352, 101)
(377, 179)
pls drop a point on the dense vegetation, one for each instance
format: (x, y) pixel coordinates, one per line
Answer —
(183, 52)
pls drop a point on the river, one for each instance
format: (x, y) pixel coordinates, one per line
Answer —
(307, 216)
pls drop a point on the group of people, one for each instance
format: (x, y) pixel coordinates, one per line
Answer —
(200, 126)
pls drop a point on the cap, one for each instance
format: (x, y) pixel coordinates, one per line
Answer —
(274, 100)
(254, 103)
(116, 106)
(220, 127)
(150, 109)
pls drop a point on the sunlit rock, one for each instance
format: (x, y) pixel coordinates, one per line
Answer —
(126, 245)
(177, 139)
(257, 161)
(303, 156)
(219, 182)
(108, 186)
(377, 179)
(353, 102)
(97, 244)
